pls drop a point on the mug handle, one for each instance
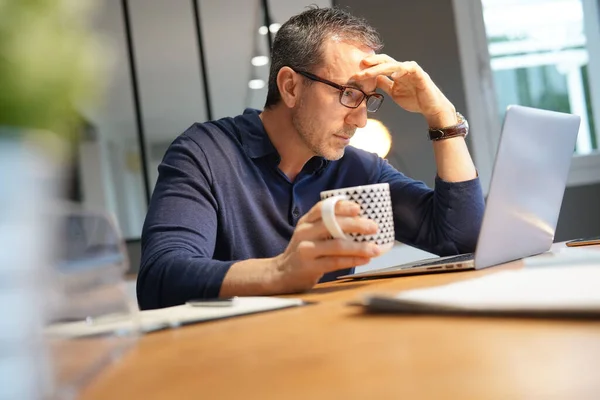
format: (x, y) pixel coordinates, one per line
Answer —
(328, 217)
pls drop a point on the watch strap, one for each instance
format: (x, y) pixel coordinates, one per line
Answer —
(460, 129)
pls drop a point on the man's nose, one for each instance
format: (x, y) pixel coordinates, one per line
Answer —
(358, 116)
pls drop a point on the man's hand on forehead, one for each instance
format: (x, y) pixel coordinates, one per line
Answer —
(367, 84)
(364, 78)
(375, 65)
(407, 83)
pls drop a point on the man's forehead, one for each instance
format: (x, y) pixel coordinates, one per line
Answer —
(342, 59)
(339, 53)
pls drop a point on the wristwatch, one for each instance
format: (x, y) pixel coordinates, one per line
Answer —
(460, 129)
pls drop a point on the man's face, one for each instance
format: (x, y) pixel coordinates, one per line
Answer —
(322, 122)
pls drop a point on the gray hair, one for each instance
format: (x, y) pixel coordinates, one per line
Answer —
(299, 42)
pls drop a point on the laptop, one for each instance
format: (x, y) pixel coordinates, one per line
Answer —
(526, 191)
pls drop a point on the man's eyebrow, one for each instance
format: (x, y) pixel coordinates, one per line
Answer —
(356, 84)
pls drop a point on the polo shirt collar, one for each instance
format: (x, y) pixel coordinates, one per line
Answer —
(256, 142)
(254, 138)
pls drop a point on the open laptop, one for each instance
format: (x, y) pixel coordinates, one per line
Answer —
(526, 192)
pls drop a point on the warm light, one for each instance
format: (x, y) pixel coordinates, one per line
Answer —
(256, 84)
(263, 30)
(374, 138)
(260, 60)
(274, 27)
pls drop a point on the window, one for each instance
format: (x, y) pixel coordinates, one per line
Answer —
(541, 61)
(538, 53)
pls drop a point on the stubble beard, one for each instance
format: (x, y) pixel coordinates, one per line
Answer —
(316, 143)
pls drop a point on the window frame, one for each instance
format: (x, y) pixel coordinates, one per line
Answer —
(481, 96)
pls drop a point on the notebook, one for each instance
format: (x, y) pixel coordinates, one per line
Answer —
(566, 291)
(526, 190)
(170, 317)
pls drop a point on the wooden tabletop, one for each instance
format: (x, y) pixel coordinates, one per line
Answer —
(333, 350)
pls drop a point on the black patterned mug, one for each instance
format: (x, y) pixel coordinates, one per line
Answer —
(375, 203)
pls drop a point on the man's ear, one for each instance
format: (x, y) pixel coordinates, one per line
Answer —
(289, 86)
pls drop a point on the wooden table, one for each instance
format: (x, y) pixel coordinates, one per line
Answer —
(332, 350)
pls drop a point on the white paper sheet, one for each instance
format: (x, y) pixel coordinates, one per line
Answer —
(151, 320)
(568, 288)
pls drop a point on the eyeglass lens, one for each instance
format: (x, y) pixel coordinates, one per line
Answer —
(353, 97)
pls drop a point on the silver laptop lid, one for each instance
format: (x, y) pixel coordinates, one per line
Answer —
(527, 186)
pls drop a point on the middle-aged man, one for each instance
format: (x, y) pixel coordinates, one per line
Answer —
(236, 207)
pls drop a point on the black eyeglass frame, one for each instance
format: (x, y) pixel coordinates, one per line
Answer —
(342, 89)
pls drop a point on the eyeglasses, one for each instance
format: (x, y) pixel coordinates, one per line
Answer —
(350, 97)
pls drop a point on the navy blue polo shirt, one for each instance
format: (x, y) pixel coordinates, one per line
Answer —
(221, 198)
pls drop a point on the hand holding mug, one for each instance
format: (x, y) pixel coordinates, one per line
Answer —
(312, 253)
(359, 219)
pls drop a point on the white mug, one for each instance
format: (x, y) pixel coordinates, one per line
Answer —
(375, 203)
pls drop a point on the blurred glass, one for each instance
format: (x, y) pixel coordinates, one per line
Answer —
(61, 278)
(92, 320)
(26, 186)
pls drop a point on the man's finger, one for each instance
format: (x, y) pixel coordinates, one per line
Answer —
(342, 208)
(359, 225)
(395, 70)
(346, 248)
(312, 252)
(377, 59)
(329, 264)
(385, 83)
(317, 230)
(379, 69)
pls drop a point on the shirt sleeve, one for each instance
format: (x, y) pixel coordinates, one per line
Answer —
(180, 230)
(444, 221)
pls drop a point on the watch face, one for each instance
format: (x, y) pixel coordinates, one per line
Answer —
(463, 120)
